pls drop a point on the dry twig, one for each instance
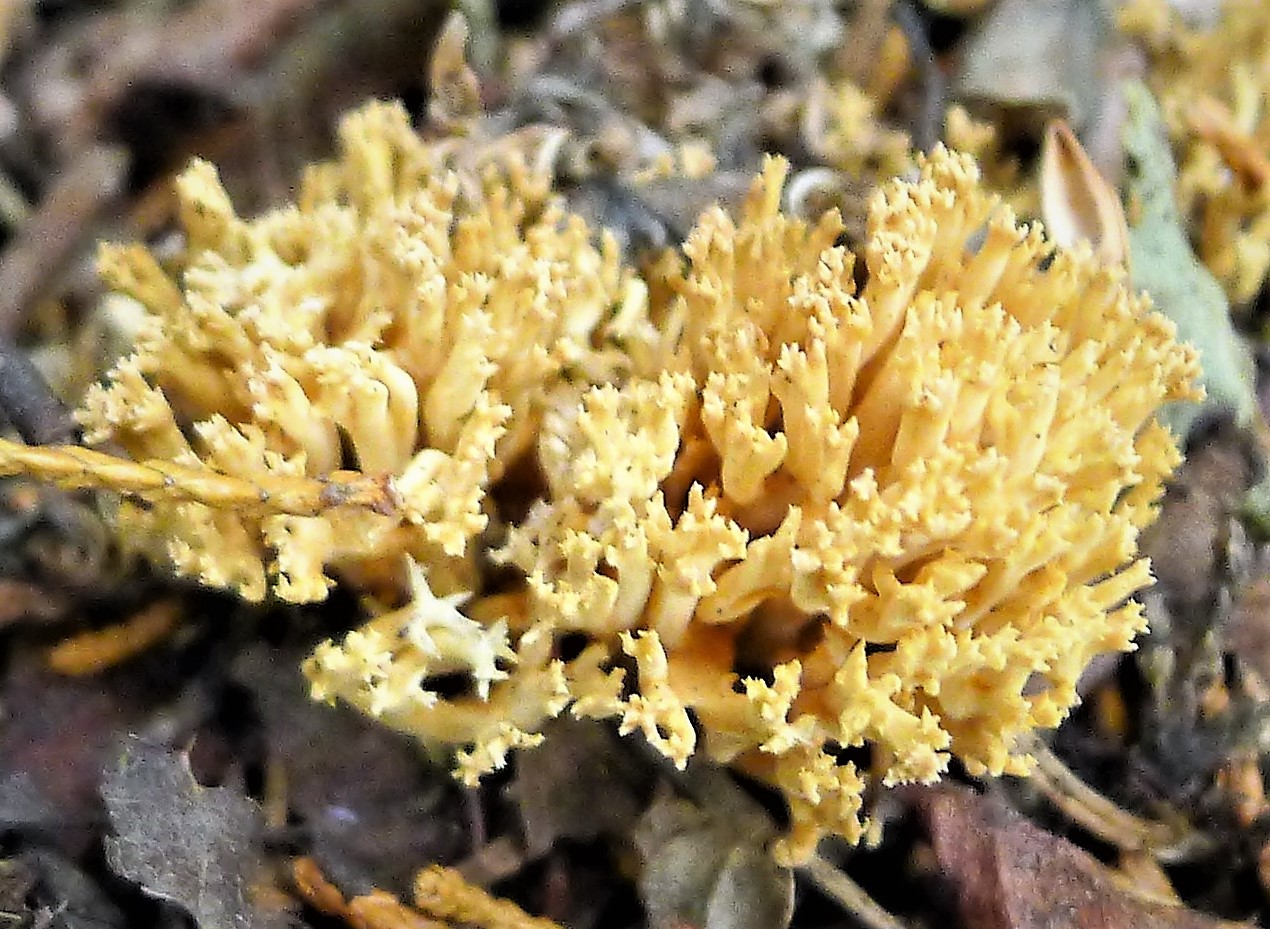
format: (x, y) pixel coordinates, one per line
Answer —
(1104, 819)
(60, 223)
(835, 885)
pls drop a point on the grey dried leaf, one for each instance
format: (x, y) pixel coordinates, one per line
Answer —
(1039, 56)
(557, 785)
(190, 845)
(710, 868)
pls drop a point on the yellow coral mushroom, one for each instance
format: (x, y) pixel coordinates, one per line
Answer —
(895, 518)
(402, 319)
(831, 522)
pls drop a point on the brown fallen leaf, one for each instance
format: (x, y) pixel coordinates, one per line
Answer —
(1009, 874)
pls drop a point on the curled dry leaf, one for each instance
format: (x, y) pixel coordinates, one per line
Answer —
(1077, 202)
(708, 866)
(456, 90)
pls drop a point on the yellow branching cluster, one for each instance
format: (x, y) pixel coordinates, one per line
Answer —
(844, 127)
(901, 517)
(831, 519)
(1214, 84)
(400, 319)
(1002, 170)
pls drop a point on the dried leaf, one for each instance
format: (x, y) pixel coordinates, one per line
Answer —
(184, 843)
(556, 785)
(61, 763)
(1164, 265)
(1040, 55)
(1008, 874)
(456, 90)
(710, 868)
(1077, 202)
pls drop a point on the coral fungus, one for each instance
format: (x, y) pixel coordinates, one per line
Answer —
(400, 319)
(831, 521)
(901, 517)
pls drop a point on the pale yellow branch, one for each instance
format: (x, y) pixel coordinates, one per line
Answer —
(71, 467)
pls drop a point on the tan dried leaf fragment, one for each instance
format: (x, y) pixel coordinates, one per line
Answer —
(1076, 201)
